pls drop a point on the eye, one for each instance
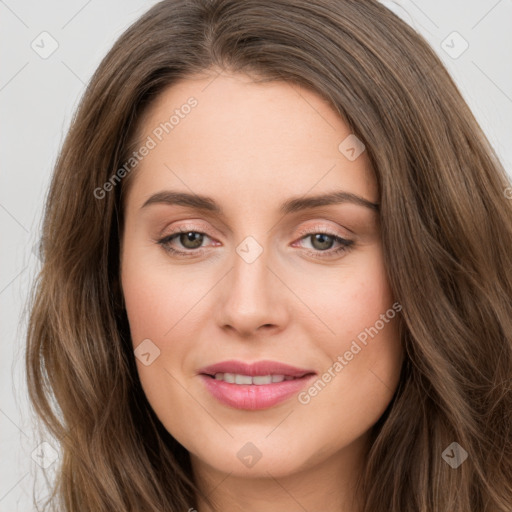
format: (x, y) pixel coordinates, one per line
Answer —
(189, 239)
(190, 242)
(322, 242)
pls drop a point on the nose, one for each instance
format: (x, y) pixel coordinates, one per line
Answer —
(253, 299)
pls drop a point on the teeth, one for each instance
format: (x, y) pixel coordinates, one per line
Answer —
(229, 377)
(243, 379)
(262, 379)
(258, 380)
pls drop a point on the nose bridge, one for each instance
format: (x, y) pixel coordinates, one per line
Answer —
(252, 292)
(249, 284)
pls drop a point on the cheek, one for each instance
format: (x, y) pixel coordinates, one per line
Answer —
(156, 295)
(163, 305)
(157, 302)
(352, 301)
(362, 347)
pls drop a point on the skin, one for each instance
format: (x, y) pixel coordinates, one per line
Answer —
(250, 147)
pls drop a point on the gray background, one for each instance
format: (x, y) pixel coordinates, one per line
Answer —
(38, 96)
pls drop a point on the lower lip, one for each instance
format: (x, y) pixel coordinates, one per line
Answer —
(253, 397)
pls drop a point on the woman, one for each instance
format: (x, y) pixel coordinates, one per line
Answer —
(276, 272)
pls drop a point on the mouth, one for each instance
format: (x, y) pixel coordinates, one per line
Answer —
(255, 386)
(256, 380)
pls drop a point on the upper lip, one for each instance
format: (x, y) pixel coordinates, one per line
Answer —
(255, 368)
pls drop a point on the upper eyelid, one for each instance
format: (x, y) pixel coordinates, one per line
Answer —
(319, 228)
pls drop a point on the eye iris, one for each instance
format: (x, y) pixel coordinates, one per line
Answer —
(322, 237)
(192, 237)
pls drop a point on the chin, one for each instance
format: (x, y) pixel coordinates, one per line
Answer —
(247, 461)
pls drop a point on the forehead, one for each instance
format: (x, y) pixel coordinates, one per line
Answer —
(266, 141)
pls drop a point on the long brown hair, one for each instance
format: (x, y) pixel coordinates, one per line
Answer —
(446, 232)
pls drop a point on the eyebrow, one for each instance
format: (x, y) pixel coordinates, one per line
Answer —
(292, 205)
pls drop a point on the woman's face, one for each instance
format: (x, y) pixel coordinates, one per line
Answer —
(263, 276)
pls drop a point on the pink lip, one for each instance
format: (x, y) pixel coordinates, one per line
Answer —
(250, 396)
(257, 368)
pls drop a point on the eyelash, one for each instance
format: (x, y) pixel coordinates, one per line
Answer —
(345, 244)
